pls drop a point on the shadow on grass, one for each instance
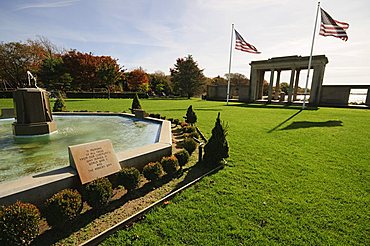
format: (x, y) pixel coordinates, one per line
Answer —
(282, 123)
(193, 173)
(308, 124)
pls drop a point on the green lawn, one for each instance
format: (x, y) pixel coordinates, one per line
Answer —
(292, 178)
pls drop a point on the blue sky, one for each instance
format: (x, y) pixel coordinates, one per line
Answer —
(153, 34)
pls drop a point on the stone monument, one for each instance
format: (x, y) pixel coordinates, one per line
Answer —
(32, 111)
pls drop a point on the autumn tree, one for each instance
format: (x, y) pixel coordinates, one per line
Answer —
(16, 58)
(138, 80)
(186, 77)
(218, 81)
(89, 71)
(237, 79)
(284, 87)
(160, 83)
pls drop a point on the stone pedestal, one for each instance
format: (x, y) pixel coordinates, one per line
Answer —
(34, 129)
(33, 114)
(139, 113)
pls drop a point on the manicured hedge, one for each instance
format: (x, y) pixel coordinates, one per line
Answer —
(70, 94)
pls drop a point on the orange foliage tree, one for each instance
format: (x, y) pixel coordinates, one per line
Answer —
(89, 71)
(138, 80)
(16, 58)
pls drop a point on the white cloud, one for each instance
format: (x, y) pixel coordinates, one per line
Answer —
(48, 4)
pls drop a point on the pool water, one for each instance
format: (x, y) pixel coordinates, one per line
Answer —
(22, 156)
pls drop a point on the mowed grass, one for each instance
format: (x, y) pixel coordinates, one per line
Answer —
(293, 177)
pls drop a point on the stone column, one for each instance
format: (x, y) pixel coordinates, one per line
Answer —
(277, 87)
(368, 97)
(296, 84)
(253, 85)
(270, 85)
(317, 79)
(261, 78)
(290, 91)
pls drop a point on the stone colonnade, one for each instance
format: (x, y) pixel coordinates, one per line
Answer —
(293, 63)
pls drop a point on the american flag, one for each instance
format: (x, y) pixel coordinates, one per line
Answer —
(331, 27)
(244, 46)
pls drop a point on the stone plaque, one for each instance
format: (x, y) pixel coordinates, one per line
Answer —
(94, 160)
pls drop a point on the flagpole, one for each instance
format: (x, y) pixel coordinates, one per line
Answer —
(310, 60)
(231, 51)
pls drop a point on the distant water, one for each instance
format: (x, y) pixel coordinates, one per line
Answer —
(357, 96)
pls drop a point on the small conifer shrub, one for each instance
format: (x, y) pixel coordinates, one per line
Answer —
(129, 177)
(190, 145)
(135, 104)
(217, 147)
(153, 171)
(62, 207)
(19, 223)
(59, 104)
(170, 164)
(182, 157)
(190, 117)
(98, 193)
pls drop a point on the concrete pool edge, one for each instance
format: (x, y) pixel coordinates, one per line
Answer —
(37, 188)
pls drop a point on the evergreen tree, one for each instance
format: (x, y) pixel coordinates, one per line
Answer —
(135, 103)
(217, 147)
(190, 117)
(186, 77)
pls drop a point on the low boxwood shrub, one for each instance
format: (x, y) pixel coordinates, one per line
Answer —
(170, 120)
(176, 121)
(189, 129)
(129, 177)
(170, 164)
(183, 124)
(182, 157)
(62, 207)
(157, 116)
(191, 135)
(152, 171)
(19, 223)
(98, 193)
(190, 145)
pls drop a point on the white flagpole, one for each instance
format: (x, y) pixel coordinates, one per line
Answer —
(310, 60)
(231, 51)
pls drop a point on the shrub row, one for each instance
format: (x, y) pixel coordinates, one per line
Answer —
(19, 222)
(70, 94)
